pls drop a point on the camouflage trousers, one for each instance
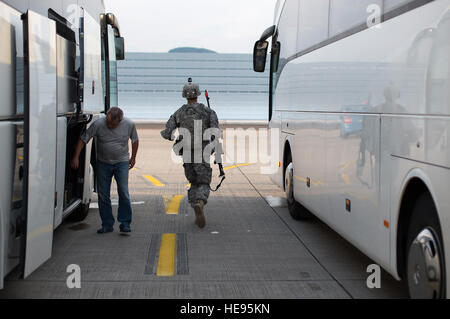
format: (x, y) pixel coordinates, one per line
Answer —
(199, 175)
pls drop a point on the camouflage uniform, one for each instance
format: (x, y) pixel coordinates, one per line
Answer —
(198, 172)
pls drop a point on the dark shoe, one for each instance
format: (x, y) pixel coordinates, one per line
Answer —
(104, 230)
(199, 215)
(125, 229)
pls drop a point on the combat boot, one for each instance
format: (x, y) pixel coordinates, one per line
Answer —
(199, 215)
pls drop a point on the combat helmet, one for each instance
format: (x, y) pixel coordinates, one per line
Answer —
(191, 90)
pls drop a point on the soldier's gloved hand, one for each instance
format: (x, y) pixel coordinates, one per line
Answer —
(166, 136)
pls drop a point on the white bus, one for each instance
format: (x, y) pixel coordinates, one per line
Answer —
(57, 75)
(360, 91)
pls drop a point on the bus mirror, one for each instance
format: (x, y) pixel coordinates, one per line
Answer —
(260, 55)
(120, 48)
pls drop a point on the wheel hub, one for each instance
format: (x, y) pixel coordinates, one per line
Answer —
(424, 266)
(288, 180)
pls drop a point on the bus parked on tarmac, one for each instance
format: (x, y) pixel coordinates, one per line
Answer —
(57, 75)
(360, 90)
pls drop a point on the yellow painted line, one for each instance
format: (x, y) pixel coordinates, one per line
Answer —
(304, 180)
(174, 205)
(154, 180)
(320, 183)
(346, 178)
(43, 230)
(235, 166)
(300, 178)
(346, 165)
(166, 260)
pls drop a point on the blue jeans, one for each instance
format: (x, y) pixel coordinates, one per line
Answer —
(105, 172)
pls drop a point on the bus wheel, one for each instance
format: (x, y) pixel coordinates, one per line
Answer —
(297, 211)
(80, 213)
(425, 266)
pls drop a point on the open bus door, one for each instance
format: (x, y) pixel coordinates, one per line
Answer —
(40, 140)
(113, 50)
(11, 128)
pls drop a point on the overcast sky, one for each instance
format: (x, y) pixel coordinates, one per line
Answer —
(225, 26)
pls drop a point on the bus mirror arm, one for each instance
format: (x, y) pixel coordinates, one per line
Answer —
(270, 31)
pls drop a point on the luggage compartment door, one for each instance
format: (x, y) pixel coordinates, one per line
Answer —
(40, 139)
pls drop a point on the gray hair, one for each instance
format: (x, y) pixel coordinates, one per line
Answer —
(116, 113)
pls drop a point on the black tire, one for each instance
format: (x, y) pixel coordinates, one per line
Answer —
(425, 222)
(80, 213)
(296, 210)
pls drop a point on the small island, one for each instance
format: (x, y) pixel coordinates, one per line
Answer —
(191, 50)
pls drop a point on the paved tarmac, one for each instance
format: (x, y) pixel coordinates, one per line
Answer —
(250, 247)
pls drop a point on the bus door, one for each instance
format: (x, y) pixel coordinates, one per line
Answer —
(91, 67)
(40, 139)
(11, 132)
(113, 50)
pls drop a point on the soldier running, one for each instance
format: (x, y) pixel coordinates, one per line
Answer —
(188, 119)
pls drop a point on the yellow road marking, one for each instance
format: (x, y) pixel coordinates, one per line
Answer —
(346, 178)
(229, 167)
(174, 205)
(346, 165)
(154, 180)
(304, 180)
(320, 183)
(301, 179)
(43, 230)
(166, 260)
(235, 166)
